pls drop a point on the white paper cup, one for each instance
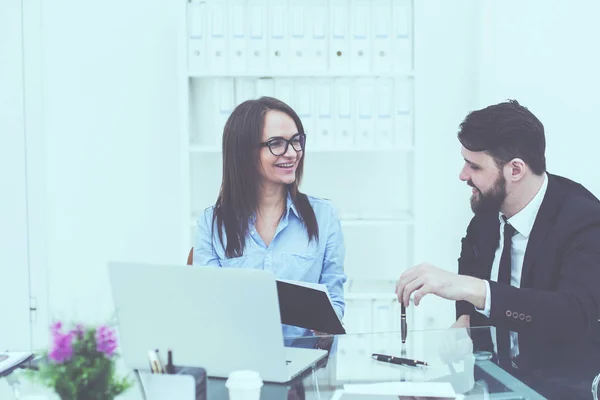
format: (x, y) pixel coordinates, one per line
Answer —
(244, 385)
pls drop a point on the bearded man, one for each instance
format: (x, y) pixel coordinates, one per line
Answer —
(530, 261)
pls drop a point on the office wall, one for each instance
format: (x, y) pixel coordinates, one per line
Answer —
(14, 271)
(111, 131)
(543, 53)
(446, 56)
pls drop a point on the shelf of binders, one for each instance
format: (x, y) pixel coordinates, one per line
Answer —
(248, 37)
(336, 113)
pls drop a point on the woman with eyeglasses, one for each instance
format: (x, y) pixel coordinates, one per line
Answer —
(261, 219)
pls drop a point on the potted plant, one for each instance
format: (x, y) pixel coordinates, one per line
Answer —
(81, 363)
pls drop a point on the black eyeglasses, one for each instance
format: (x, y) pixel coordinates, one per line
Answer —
(279, 146)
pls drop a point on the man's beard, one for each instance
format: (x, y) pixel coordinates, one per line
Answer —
(491, 200)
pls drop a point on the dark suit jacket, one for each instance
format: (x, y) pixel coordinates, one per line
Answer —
(556, 311)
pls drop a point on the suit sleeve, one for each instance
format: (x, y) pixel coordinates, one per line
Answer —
(568, 313)
(466, 266)
(469, 263)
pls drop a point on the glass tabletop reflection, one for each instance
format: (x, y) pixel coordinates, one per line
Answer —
(351, 372)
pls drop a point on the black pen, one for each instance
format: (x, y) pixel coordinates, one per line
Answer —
(170, 368)
(403, 322)
(397, 360)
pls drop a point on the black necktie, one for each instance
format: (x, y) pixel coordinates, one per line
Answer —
(505, 263)
(504, 273)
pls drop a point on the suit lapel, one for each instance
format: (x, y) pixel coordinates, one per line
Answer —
(544, 220)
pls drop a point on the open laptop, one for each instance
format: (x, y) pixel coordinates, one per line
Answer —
(221, 319)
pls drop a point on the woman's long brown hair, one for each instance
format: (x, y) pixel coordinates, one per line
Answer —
(239, 195)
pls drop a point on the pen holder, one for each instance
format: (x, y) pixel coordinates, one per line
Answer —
(187, 383)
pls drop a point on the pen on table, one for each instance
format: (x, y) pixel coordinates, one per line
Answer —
(403, 322)
(397, 360)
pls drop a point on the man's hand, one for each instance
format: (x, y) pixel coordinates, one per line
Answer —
(425, 279)
(464, 321)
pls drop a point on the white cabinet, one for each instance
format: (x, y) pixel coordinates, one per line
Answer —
(346, 67)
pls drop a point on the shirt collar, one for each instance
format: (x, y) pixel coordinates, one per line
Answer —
(523, 220)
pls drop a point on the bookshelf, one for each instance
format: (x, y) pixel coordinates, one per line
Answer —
(346, 67)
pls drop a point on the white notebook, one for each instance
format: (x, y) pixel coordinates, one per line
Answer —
(12, 359)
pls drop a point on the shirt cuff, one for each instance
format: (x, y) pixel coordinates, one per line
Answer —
(488, 301)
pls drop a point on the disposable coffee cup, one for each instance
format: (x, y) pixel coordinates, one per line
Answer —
(244, 385)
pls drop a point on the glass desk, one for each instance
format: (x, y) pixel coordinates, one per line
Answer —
(475, 374)
(451, 357)
(449, 353)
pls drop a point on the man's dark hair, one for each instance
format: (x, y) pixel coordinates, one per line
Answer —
(506, 131)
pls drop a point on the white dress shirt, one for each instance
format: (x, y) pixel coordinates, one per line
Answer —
(523, 223)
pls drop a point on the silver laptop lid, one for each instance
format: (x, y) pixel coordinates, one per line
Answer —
(221, 319)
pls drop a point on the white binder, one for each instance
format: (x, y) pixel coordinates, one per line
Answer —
(257, 36)
(197, 36)
(401, 15)
(298, 21)
(245, 89)
(339, 56)
(384, 122)
(278, 41)
(303, 102)
(323, 115)
(284, 91)
(365, 96)
(224, 96)
(381, 55)
(360, 36)
(404, 112)
(265, 87)
(216, 45)
(237, 47)
(344, 129)
(317, 24)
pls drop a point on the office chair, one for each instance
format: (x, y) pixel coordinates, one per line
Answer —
(190, 259)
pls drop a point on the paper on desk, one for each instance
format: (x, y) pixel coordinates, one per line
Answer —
(425, 389)
(12, 359)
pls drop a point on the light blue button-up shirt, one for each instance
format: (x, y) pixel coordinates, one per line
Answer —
(289, 255)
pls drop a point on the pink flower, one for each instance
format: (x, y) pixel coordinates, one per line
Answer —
(55, 328)
(106, 341)
(62, 344)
